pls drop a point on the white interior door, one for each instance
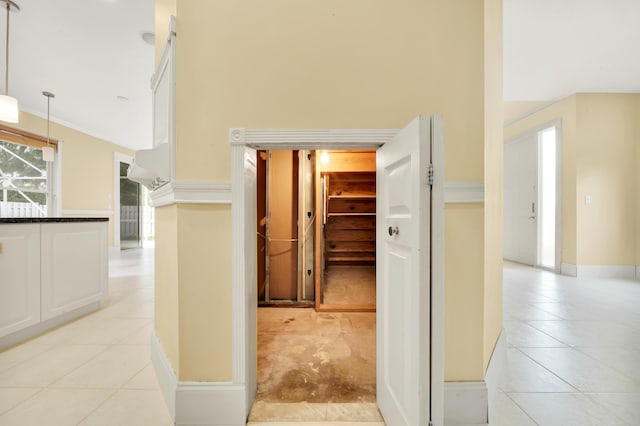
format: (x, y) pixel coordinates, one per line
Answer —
(520, 200)
(403, 277)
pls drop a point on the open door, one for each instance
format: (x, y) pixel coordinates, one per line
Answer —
(403, 212)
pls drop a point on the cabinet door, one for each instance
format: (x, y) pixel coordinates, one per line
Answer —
(74, 266)
(19, 277)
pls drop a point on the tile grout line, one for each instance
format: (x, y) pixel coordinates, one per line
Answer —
(520, 407)
(574, 387)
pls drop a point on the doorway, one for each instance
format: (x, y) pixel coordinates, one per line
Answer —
(532, 198)
(316, 229)
(316, 212)
(130, 210)
(409, 266)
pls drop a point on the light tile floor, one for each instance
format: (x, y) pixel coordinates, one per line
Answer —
(573, 356)
(95, 370)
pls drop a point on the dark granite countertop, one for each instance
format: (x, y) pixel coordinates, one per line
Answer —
(7, 220)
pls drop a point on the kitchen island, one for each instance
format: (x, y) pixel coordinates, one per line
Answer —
(52, 270)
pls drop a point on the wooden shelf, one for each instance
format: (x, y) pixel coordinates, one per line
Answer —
(350, 229)
(352, 197)
(350, 214)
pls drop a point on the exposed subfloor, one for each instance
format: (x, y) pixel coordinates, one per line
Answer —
(350, 285)
(315, 366)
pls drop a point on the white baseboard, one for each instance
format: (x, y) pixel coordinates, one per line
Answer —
(466, 403)
(494, 370)
(471, 403)
(568, 269)
(166, 376)
(198, 403)
(607, 271)
(37, 329)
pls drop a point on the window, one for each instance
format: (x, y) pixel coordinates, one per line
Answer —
(25, 178)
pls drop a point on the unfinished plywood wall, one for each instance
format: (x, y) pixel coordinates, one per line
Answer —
(282, 195)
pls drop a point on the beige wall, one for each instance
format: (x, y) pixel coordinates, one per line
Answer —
(464, 329)
(166, 320)
(493, 176)
(599, 159)
(606, 170)
(192, 266)
(565, 111)
(204, 296)
(87, 167)
(517, 110)
(292, 64)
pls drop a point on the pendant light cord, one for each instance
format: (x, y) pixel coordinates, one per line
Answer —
(48, 117)
(49, 95)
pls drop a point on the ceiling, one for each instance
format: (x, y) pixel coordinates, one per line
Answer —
(89, 52)
(554, 48)
(86, 52)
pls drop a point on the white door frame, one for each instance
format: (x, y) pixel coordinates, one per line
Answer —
(559, 180)
(244, 143)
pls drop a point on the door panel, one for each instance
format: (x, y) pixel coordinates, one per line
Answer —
(520, 200)
(403, 243)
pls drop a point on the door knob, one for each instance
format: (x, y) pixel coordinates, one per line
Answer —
(393, 231)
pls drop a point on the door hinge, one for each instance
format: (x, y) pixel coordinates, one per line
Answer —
(430, 174)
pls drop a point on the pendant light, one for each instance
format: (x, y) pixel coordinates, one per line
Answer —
(47, 151)
(8, 105)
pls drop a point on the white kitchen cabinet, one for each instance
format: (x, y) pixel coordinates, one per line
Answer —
(74, 266)
(52, 270)
(19, 277)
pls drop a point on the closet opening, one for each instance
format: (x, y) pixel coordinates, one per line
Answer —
(316, 285)
(316, 229)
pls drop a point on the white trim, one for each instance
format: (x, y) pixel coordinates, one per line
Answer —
(216, 403)
(88, 212)
(166, 68)
(192, 193)
(607, 271)
(463, 192)
(167, 381)
(568, 269)
(197, 403)
(466, 403)
(535, 132)
(494, 371)
(37, 329)
(311, 138)
(54, 185)
(472, 402)
(242, 142)
(437, 272)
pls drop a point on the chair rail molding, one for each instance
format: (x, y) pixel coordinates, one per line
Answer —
(192, 193)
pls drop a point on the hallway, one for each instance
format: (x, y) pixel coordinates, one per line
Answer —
(573, 356)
